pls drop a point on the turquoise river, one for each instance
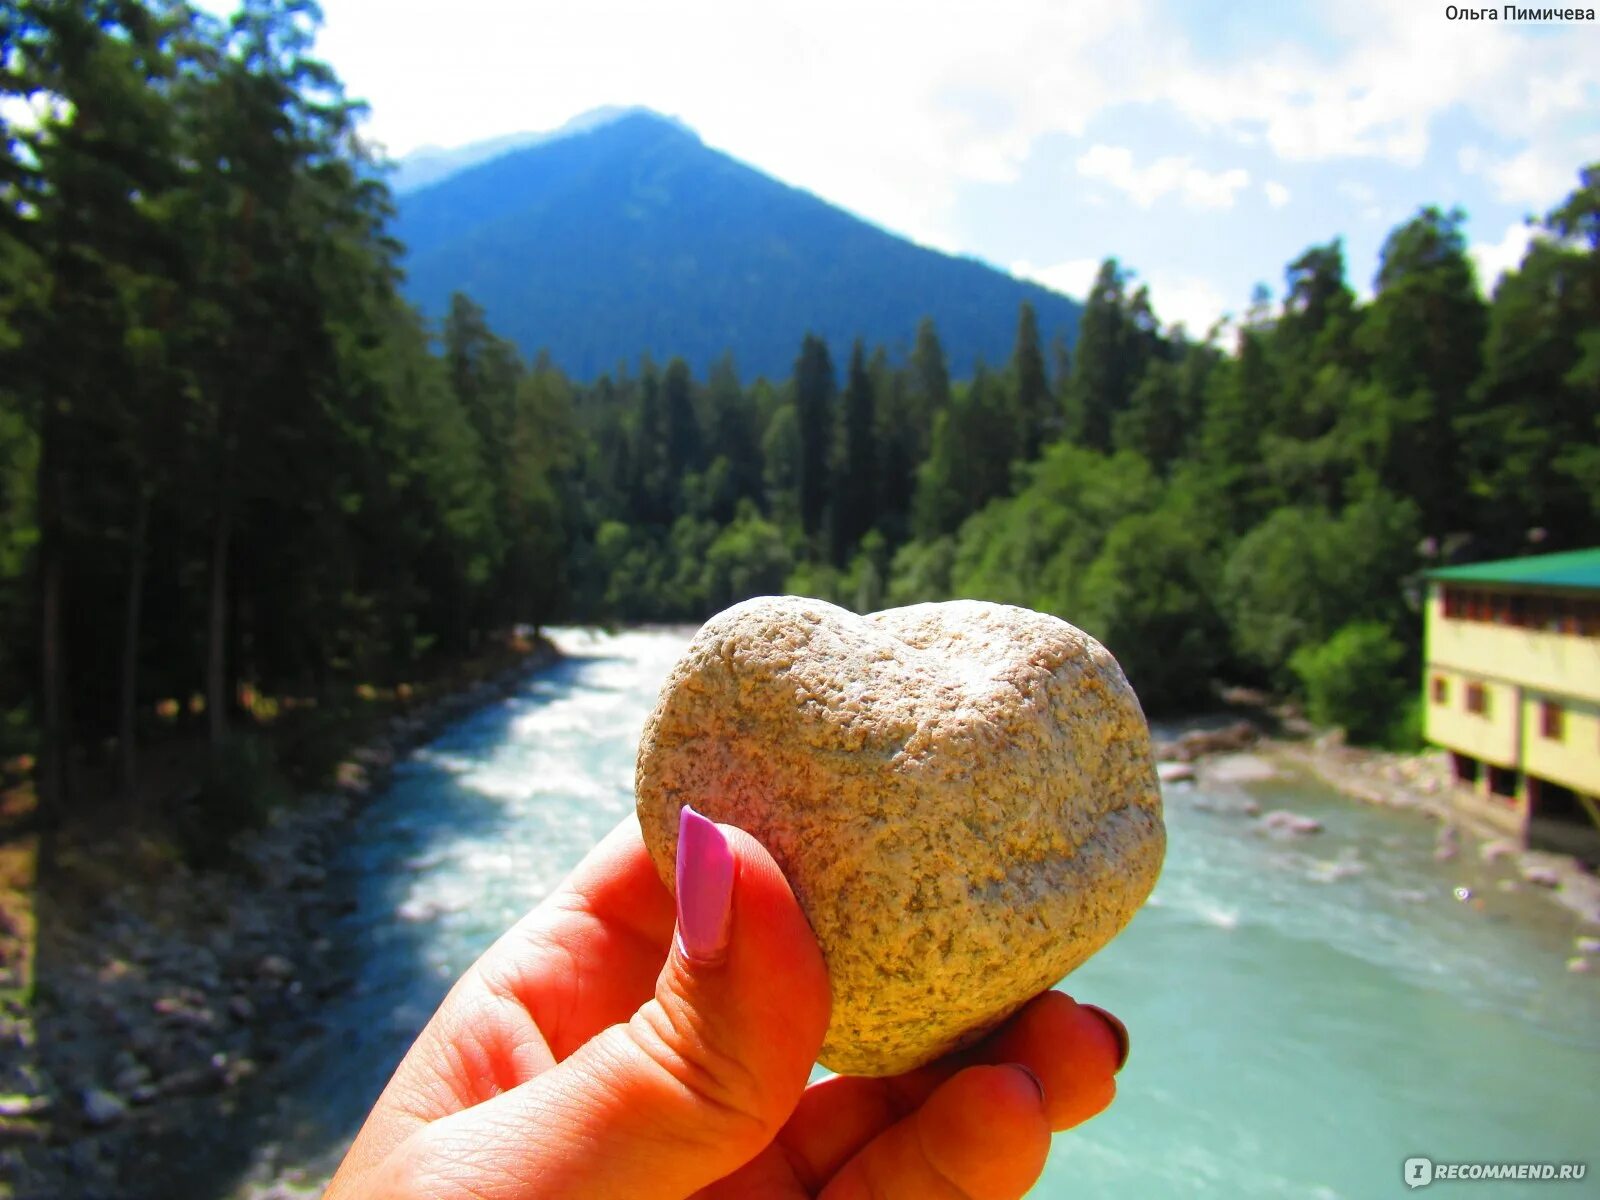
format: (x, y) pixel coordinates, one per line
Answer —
(1306, 1015)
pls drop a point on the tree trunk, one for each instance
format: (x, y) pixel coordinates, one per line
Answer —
(217, 632)
(53, 777)
(132, 617)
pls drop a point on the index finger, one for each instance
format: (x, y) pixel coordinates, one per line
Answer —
(584, 959)
(589, 955)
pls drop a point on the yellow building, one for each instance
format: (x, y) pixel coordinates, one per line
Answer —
(1512, 690)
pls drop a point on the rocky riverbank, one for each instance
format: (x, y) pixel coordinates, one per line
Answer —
(1241, 753)
(1422, 783)
(161, 994)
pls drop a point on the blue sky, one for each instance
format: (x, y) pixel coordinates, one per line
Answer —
(1203, 143)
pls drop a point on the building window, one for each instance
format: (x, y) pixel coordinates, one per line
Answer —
(1477, 699)
(1573, 615)
(1551, 720)
(1441, 690)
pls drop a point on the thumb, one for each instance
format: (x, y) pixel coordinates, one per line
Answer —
(696, 1084)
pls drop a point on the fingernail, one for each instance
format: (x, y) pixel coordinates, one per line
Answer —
(1036, 1081)
(705, 887)
(1118, 1031)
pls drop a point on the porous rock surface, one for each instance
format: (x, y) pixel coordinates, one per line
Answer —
(961, 795)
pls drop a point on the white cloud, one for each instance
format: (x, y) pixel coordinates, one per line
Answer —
(1187, 300)
(1494, 259)
(1074, 277)
(1401, 67)
(1553, 95)
(963, 98)
(1198, 187)
(890, 136)
(1277, 194)
(1213, 189)
(1531, 177)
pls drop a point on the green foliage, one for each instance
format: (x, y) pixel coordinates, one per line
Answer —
(1116, 339)
(822, 580)
(748, 558)
(1031, 418)
(1528, 438)
(970, 460)
(814, 389)
(855, 492)
(227, 455)
(1034, 548)
(1423, 341)
(1406, 732)
(1303, 572)
(1357, 679)
(921, 571)
(1148, 596)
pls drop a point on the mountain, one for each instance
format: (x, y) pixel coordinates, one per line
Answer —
(629, 235)
(433, 163)
(429, 164)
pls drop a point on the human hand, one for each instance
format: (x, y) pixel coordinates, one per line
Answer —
(590, 1053)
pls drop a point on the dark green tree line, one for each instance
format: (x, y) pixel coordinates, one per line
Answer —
(1214, 510)
(230, 462)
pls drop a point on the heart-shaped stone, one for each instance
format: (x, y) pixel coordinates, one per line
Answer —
(961, 796)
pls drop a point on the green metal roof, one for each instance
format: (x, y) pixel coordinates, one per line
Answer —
(1571, 569)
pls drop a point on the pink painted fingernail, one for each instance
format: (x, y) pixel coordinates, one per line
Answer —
(705, 887)
(1118, 1031)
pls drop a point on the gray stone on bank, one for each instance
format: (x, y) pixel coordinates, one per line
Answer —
(1239, 768)
(1283, 823)
(102, 1108)
(1498, 848)
(1540, 875)
(961, 795)
(1175, 772)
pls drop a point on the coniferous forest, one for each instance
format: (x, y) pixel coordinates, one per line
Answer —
(236, 468)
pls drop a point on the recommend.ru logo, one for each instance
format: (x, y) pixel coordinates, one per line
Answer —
(1420, 1172)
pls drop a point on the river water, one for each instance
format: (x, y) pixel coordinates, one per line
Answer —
(1305, 1015)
